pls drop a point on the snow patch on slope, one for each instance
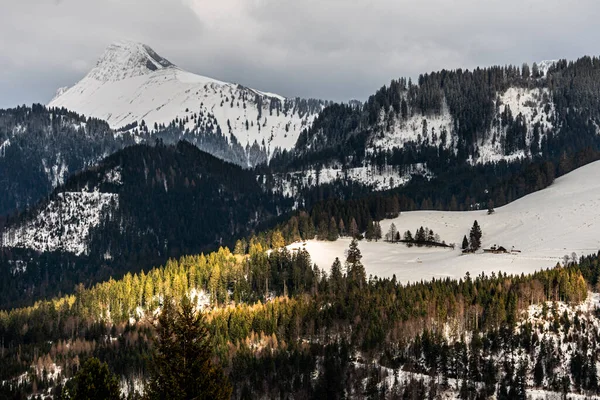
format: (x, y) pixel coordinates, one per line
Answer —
(379, 179)
(127, 59)
(534, 105)
(63, 224)
(417, 129)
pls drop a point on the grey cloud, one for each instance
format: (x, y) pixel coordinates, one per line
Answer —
(333, 49)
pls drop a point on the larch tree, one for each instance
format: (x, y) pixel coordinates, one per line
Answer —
(353, 228)
(391, 235)
(277, 241)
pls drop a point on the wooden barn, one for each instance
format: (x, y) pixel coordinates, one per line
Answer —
(496, 250)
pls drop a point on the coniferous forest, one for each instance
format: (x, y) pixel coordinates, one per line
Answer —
(278, 324)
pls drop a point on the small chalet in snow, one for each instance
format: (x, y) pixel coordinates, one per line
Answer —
(496, 250)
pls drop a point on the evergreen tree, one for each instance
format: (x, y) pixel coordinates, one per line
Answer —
(465, 243)
(490, 207)
(355, 270)
(240, 247)
(420, 236)
(93, 381)
(538, 371)
(182, 366)
(475, 237)
(323, 230)
(377, 231)
(332, 234)
(370, 233)
(336, 279)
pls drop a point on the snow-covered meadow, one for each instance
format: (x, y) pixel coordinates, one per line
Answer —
(545, 226)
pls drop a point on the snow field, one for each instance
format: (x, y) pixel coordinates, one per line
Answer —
(545, 226)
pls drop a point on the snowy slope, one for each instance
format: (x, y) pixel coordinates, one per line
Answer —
(389, 177)
(131, 83)
(545, 226)
(64, 224)
(534, 105)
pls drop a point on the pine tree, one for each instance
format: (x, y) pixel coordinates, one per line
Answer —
(465, 243)
(182, 366)
(377, 231)
(336, 280)
(475, 237)
(538, 373)
(93, 381)
(323, 230)
(355, 270)
(420, 236)
(490, 207)
(240, 247)
(408, 238)
(370, 233)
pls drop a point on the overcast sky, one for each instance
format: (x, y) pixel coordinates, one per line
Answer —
(329, 49)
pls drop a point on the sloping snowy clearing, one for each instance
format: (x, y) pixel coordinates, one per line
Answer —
(545, 226)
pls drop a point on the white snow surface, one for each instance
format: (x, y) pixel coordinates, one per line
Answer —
(63, 224)
(385, 178)
(132, 83)
(545, 65)
(545, 226)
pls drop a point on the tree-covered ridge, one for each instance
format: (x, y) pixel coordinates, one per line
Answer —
(169, 201)
(348, 134)
(40, 148)
(275, 307)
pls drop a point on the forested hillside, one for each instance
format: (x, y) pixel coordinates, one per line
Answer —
(133, 210)
(41, 148)
(280, 326)
(458, 116)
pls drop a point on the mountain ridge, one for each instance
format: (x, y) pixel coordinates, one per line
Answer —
(132, 86)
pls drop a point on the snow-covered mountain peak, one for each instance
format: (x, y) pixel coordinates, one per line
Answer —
(127, 59)
(133, 86)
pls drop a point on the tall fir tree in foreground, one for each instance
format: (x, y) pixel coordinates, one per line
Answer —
(182, 366)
